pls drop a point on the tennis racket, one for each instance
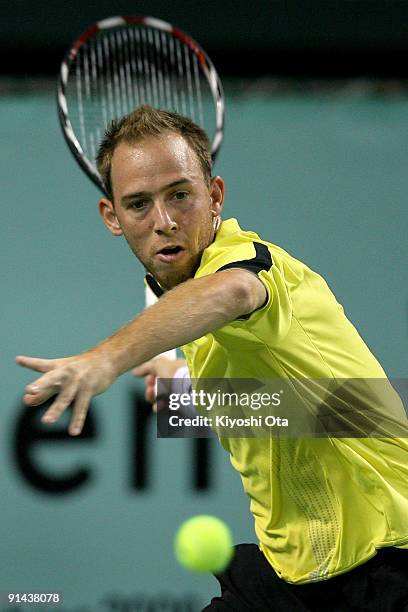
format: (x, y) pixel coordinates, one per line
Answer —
(122, 62)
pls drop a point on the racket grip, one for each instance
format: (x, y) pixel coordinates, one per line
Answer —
(151, 299)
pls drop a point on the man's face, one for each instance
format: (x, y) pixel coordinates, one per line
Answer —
(163, 205)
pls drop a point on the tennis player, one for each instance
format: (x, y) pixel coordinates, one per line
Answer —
(331, 514)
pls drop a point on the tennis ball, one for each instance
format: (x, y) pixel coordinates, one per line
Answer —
(203, 543)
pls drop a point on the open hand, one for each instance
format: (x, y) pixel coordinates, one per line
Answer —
(71, 379)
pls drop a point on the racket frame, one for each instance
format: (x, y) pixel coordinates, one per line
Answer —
(112, 22)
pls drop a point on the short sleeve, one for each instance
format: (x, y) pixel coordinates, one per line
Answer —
(261, 261)
(271, 322)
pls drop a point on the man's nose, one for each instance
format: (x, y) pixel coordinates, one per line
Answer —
(164, 222)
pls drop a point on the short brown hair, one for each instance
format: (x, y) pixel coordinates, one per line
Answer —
(147, 121)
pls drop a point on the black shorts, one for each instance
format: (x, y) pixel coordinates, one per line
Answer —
(250, 584)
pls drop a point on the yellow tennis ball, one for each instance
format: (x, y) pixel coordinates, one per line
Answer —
(203, 543)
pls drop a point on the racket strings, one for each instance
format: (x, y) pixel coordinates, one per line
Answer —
(121, 68)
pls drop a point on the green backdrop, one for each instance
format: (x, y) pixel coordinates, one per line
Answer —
(324, 176)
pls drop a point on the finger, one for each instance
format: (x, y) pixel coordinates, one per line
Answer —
(150, 395)
(149, 367)
(150, 388)
(35, 363)
(44, 387)
(81, 408)
(62, 402)
(34, 399)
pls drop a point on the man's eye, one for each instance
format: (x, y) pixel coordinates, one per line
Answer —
(138, 204)
(181, 195)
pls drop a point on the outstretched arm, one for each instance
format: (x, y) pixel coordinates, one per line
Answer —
(183, 314)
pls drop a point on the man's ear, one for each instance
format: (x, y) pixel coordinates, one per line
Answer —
(217, 190)
(108, 214)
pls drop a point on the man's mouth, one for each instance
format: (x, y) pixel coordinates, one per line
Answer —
(169, 253)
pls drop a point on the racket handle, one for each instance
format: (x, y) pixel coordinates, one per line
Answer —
(151, 299)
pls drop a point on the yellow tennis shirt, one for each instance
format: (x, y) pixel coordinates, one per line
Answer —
(321, 505)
